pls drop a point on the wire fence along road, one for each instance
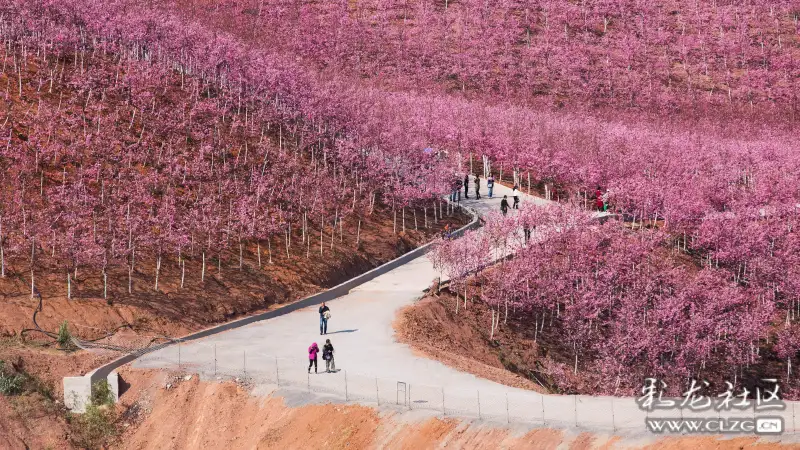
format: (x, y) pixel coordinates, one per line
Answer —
(616, 414)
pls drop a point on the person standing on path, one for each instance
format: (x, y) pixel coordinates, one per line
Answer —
(515, 194)
(324, 315)
(312, 357)
(327, 355)
(466, 186)
(598, 199)
(490, 185)
(504, 205)
(477, 188)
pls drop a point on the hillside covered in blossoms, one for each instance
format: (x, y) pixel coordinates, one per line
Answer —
(170, 164)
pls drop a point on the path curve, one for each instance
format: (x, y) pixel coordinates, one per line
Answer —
(378, 370)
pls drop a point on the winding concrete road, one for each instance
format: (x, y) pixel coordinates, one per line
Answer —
(376, 369)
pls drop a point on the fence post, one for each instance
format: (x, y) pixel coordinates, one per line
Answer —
(179, 355)
(377, 393)
(508, 416)
(575, 398)
(544, 422)
(215, 360)
(444, 411)
(277, 373)
(479, 404)
(613, 420)
(409, 396)
(345, 386)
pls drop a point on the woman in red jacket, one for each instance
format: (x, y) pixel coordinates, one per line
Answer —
(312, 357)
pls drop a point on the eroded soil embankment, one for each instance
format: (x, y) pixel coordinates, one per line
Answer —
(463, 340)
(224, 415)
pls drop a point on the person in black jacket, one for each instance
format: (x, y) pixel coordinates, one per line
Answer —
(466, 186)
(324, 313)
(327, 355)
(477, 188)
(504, 205)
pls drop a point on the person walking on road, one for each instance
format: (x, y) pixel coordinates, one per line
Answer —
(515, 194)
(490, 185)
(324, 315)
(312, 357)
(477, 188)
(504, 205)
(466, 186)
(327, 355)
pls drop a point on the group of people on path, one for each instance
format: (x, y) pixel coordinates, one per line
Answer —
(327, 355)
(327, 349)
(455, 195)
(504, 202)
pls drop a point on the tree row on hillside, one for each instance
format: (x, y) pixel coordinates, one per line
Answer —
(114, 153)
(688, 55)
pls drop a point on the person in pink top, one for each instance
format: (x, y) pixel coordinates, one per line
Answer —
(312, 357)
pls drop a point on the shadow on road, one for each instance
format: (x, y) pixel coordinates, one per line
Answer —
(343, 331)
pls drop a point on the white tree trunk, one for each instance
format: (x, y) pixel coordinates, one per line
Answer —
(333, 228)
(203, 269)
(158, 271)
(269, 249)
(69, 286)
(372, 204)
(576, 364)
(529, 183)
